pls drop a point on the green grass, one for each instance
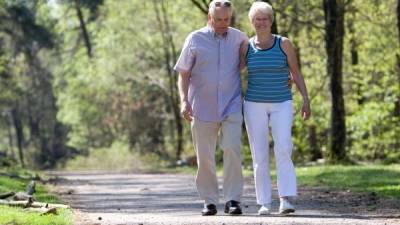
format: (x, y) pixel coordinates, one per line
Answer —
(382, 179)
(18, 216)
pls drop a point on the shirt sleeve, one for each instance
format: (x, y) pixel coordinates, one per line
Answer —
(186, 59)
(243, 37)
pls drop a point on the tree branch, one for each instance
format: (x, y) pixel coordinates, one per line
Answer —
(202, 6)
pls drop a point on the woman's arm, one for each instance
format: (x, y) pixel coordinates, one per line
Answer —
(298, 79)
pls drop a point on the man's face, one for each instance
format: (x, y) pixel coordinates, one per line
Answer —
(221, 19)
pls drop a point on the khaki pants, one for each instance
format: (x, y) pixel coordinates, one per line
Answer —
(205, 136)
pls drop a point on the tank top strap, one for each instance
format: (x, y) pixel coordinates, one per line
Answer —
(250, 47)
(277, 41)
(251, 42)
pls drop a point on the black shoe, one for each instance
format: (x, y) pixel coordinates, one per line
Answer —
(209, 210)
(233, 207)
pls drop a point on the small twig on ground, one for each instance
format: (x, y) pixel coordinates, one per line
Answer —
(44, 211)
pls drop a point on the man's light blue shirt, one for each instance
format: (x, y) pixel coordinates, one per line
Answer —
(213, 61)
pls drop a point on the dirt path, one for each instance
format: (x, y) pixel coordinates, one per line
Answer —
(123, 198)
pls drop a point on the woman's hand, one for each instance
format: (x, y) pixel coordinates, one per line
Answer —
(290, 82)
(305, 109)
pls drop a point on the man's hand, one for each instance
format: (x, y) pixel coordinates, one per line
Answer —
(186, 111)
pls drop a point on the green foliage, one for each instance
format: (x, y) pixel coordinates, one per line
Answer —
(27, 98)
(124, 87)
(117, 157)
(374, 133)
(123, 94)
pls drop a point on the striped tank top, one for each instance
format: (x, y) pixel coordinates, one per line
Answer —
(268, 73)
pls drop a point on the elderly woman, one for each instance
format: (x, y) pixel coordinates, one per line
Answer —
(270, 61)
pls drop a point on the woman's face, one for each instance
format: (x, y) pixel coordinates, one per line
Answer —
(261, 21)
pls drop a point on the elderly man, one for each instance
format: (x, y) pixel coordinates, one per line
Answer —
(210, 91)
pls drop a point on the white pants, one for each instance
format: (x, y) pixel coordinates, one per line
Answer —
(205, 136)
(258, 117)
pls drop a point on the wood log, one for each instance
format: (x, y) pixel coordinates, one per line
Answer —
(25, 204)
(22, 204)
(21, 177)
(21, 196)
(6, 195)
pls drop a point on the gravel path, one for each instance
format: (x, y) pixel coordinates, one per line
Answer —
(122, 198)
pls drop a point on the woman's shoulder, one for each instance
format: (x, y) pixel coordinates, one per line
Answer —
(282, 38)
(284, 42)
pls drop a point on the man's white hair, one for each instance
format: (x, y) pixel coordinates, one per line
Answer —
(223, 3)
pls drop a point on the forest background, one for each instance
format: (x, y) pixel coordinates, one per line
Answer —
(89, 83)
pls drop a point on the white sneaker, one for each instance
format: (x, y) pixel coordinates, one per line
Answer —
(264, 209)
(285, 207)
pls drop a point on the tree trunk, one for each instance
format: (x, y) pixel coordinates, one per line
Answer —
(397, 106)
(43, 127)
(397, 102)
(354, 57)
(34, 129)
(312, 141)
(19, 134)
(83, 28)
(175, 92)
(334, 32)
(296, 33)
(170, 58)
(8, 120)
(315, 151)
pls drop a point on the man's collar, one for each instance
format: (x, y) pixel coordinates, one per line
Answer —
(215, 35)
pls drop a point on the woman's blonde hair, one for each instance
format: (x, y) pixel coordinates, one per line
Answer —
(262, 7)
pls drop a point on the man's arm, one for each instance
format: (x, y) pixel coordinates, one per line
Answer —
(183, 86)
(243, 52)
